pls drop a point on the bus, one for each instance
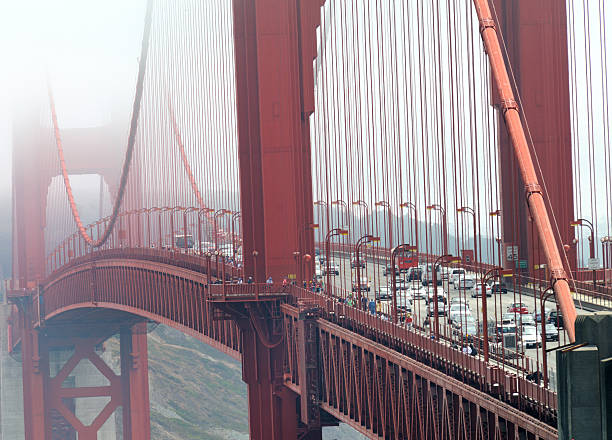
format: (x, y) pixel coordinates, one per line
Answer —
(407, 259)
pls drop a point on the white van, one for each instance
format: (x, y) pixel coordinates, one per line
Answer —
(427, 277)
(456, 274)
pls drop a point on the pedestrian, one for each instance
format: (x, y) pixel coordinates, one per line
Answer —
(250, 280)
(269, 281)
(372, 307)
(240, 280)
(285, 282)
(473, 350)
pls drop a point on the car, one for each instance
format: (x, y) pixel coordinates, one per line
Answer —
(477, 290)
(538, 316)
(552, 334)
(354, 263)
(498, 288)
(465, 326)
(459, 300)
(442, 309)
(526, 319)
(459, 307)
(427, 277)
(384, 293)
(364, 284)
(555, 318)
(334, 268)
(441, 295)
(530, 336)
(400, 284)
(387, 271)
(415, 274)
(501, 330)
(417, 291)
(520, 308)
(464, 283)
(457, 274)
(457, 315)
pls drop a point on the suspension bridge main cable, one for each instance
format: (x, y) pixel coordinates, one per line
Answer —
(130, 147)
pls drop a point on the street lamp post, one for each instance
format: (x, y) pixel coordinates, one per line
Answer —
(396, 250)
(543, 298)
(588, 224)
(440, 208)
(416, 222)
(345, 205)
(305, 270)
(497, 213)
(439, 260)
(218, 213)
(331, 233)
(235, 216)
(468, 210)
(605, 250)
(363, 240)
(386, 204)
(367, 209)
(495, 272)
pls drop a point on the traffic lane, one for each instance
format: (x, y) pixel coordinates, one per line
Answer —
(497, 305)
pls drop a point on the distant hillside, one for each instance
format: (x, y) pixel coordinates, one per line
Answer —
(197, 393)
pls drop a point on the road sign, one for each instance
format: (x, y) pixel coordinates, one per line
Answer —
(593, 263)
(522, 264)
(512, 253)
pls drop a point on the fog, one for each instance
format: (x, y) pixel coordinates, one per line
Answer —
(87, 49)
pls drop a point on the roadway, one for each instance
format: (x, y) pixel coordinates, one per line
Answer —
(497, 305)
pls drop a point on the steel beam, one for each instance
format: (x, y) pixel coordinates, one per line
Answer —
(533, 190)
(273, 40)
(135, 382)
(535, 37)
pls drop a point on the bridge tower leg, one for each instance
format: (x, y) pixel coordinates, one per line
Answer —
(536, 37)
(275, 45)
(135, 380)
(275, 411)
(56, 394)
(34, 372)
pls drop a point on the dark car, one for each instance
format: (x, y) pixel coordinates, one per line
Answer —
(498, 288)
(415, 274)
(354, 263)
(555, 318)
(387, 270)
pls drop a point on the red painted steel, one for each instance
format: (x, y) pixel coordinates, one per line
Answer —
(49, 405)
(177, 296)
(533, 190)
(544, 93)
(272, 39)
(307, 358)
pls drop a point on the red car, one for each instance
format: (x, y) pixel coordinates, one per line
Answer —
(518, 308)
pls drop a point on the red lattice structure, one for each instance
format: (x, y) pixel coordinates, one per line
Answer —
(264, 137)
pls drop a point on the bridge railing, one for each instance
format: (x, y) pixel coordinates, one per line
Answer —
(180, 230)
(244, 291)
(494, 379)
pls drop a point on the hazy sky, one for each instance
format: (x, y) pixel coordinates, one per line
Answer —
(89, 51)
(88, 48)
